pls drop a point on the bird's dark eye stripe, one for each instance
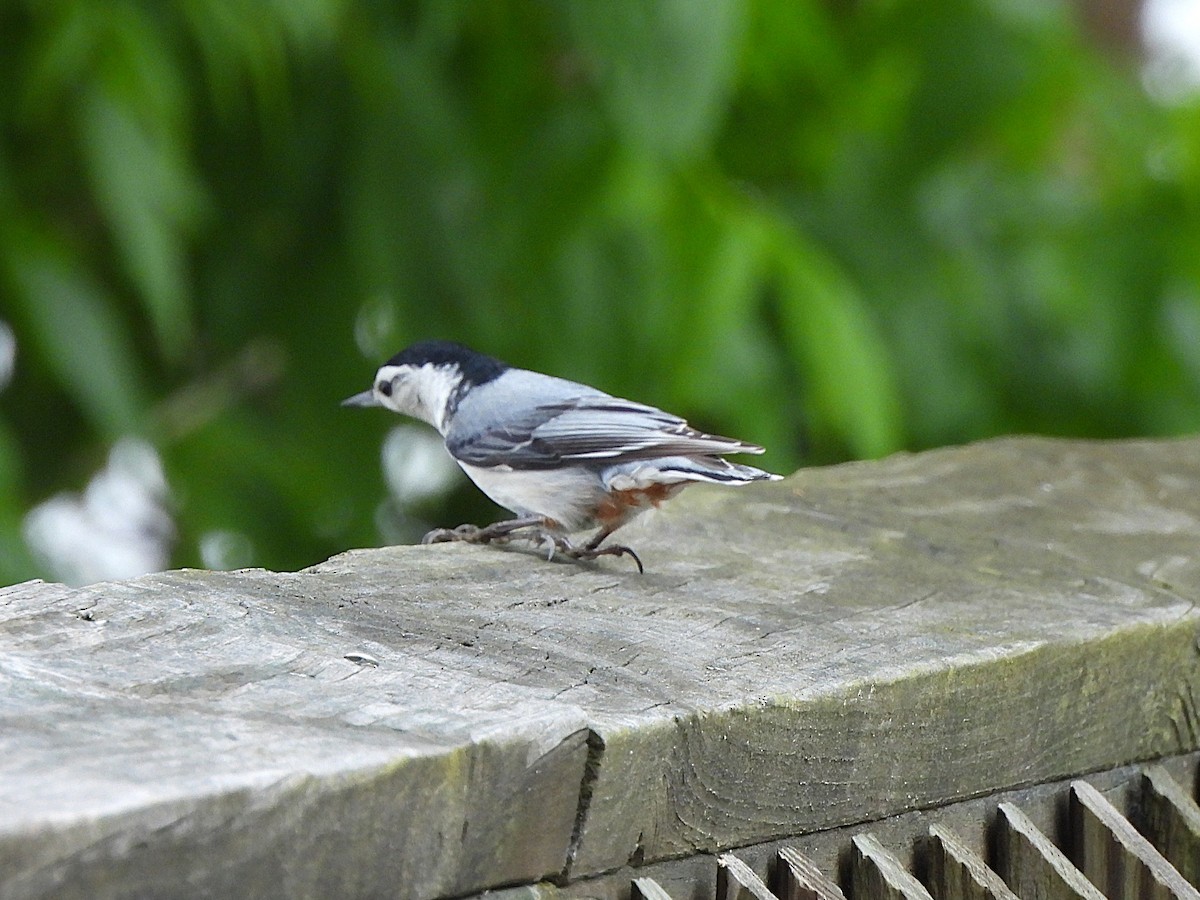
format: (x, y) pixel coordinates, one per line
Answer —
(385, 388)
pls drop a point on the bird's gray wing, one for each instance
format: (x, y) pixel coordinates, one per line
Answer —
(598, 429)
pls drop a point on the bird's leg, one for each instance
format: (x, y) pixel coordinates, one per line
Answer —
(538, 533)
(592, 548)
(497, 532)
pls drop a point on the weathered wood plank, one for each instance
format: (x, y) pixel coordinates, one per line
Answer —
(1036, 589)
(1032, 866)
(648, 889)
(847, 644)
(875, 874)
(1115, 857)
(957, 873)
(205, 728)
(971, 822)
(798, 878)
(1171, 819)
(737, 881)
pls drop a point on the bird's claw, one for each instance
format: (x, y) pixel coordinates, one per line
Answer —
(547, 541)
(472, 534)
(609, 550)
(556, 543)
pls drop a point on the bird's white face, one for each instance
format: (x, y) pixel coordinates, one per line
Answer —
(421, 392)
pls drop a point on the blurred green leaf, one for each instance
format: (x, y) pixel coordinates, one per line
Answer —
(849, 379)
(75, 327)
(665, 69)
(249, 48)
(59, 48)
(16, 562)
(150, 200)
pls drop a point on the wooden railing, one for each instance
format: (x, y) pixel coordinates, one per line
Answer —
(817, 664)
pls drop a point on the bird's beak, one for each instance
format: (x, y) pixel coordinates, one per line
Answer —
(366, 398)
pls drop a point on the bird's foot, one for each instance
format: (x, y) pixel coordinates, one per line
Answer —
(609, 550)
(467, 533)
(496, 533)
(534, 531)
(553, 542)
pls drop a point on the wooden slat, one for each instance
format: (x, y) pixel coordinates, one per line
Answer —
(798, 878)
(737, 881)
(875, 874)
(647, 889)
(1032, 866)
(1115, 857)
(957, 873)
(1171, 819)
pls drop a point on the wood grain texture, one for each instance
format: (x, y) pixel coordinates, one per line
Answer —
(876, 874)
(1032, 865)
(1171, 819)
(737, 881)
(205, 728)
(1115, 857)
(647, 889)
(817, 858)
(850, 643)
(799, 879)
(992, 591)
(957, 873)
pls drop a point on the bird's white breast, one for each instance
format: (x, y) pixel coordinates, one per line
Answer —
(568, 496)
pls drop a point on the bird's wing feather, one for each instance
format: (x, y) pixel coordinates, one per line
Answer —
(598, 429)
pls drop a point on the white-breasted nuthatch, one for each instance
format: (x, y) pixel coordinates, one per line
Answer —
(561, 456)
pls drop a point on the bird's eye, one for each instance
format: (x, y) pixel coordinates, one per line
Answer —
(385, 388)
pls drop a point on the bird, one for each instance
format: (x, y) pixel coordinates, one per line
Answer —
(561, 456)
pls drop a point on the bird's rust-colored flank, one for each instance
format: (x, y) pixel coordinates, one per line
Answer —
(619, 506)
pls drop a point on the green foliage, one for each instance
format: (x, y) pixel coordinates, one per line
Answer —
(840, 231)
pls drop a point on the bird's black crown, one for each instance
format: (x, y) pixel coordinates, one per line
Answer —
(476, 368)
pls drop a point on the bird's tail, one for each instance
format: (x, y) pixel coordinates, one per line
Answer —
(677, 469)
(722, 471)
